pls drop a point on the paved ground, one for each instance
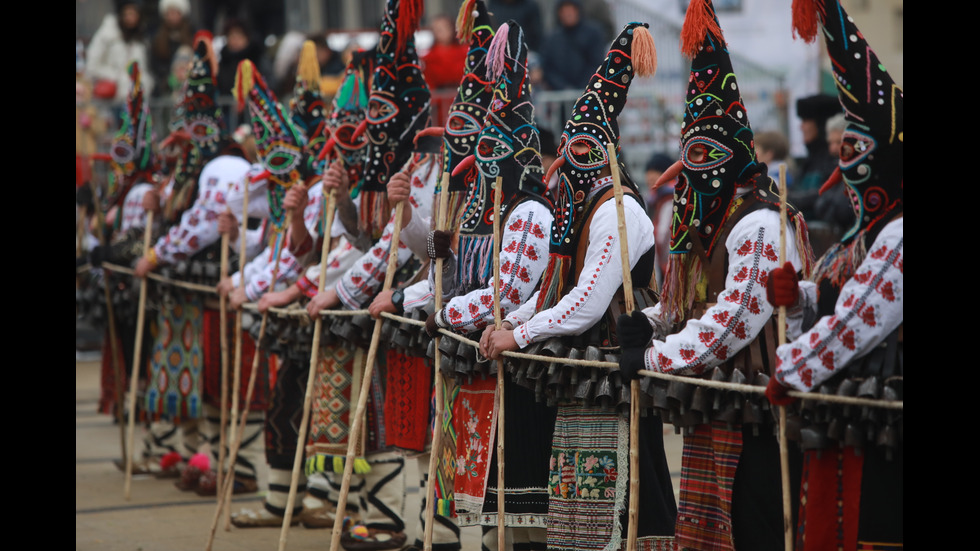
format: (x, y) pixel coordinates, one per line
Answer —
(158, 517)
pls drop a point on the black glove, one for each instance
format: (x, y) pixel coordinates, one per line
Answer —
(634, 333)
(634, 330)
(439, 244)
(431, 327)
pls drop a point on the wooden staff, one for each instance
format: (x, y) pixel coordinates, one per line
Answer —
(435, 451)
(501, 506)
(311, 378)
(137, 352)
(237, 363)
(225, 492)
(630, 305)
(781, 333)
(222, 311)
(358, 424)
(117, 369)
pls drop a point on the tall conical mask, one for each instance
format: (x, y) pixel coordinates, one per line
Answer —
(871, 154)
(468, 111)
(398, 107)
(346, 125)
(278, 142)
(132, 146)
(201, 125)
(583, 155)
(308, 110)
(717, 142)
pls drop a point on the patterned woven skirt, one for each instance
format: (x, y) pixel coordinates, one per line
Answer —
(176, 360)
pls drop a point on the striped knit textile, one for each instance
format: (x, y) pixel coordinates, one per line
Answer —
(176, 360)
(708, 464)
(588, 480)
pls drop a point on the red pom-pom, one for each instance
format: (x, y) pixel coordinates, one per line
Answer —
(200, 461)
(169, 460)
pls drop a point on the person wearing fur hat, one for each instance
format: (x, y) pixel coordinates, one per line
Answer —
(852, 490)
(713, 318)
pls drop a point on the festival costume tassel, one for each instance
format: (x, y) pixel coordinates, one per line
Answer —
(435, 451)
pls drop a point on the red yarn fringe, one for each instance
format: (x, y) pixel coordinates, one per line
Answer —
(409, 18)
(805, 19)
(699, 22)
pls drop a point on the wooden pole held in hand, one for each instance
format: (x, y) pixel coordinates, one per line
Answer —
(311, 377)
(630, 305)
(137, 352)
(358, 424)
(501, 380)
(781, 333)
(435, 450)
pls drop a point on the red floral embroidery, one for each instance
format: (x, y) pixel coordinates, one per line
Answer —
(536, 231)
(742, 274)
(455, 315)
(847, 339)
(863, 277)
(512, 248)
(664, 361)
(754, 305)
(722, 317)
(739, 330)
(523, 275)
(814, 339)
(868, 316)
(745, 249)
(722, 353)
(518, 225)
(880, 253)
(706, 337)
(474, 309)
(806, 375)
(827, 358)
(487, 300)
(849, 301)
(688, 354)
(887, 292)
(735, 297)
(770, 253)
(530, 252)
